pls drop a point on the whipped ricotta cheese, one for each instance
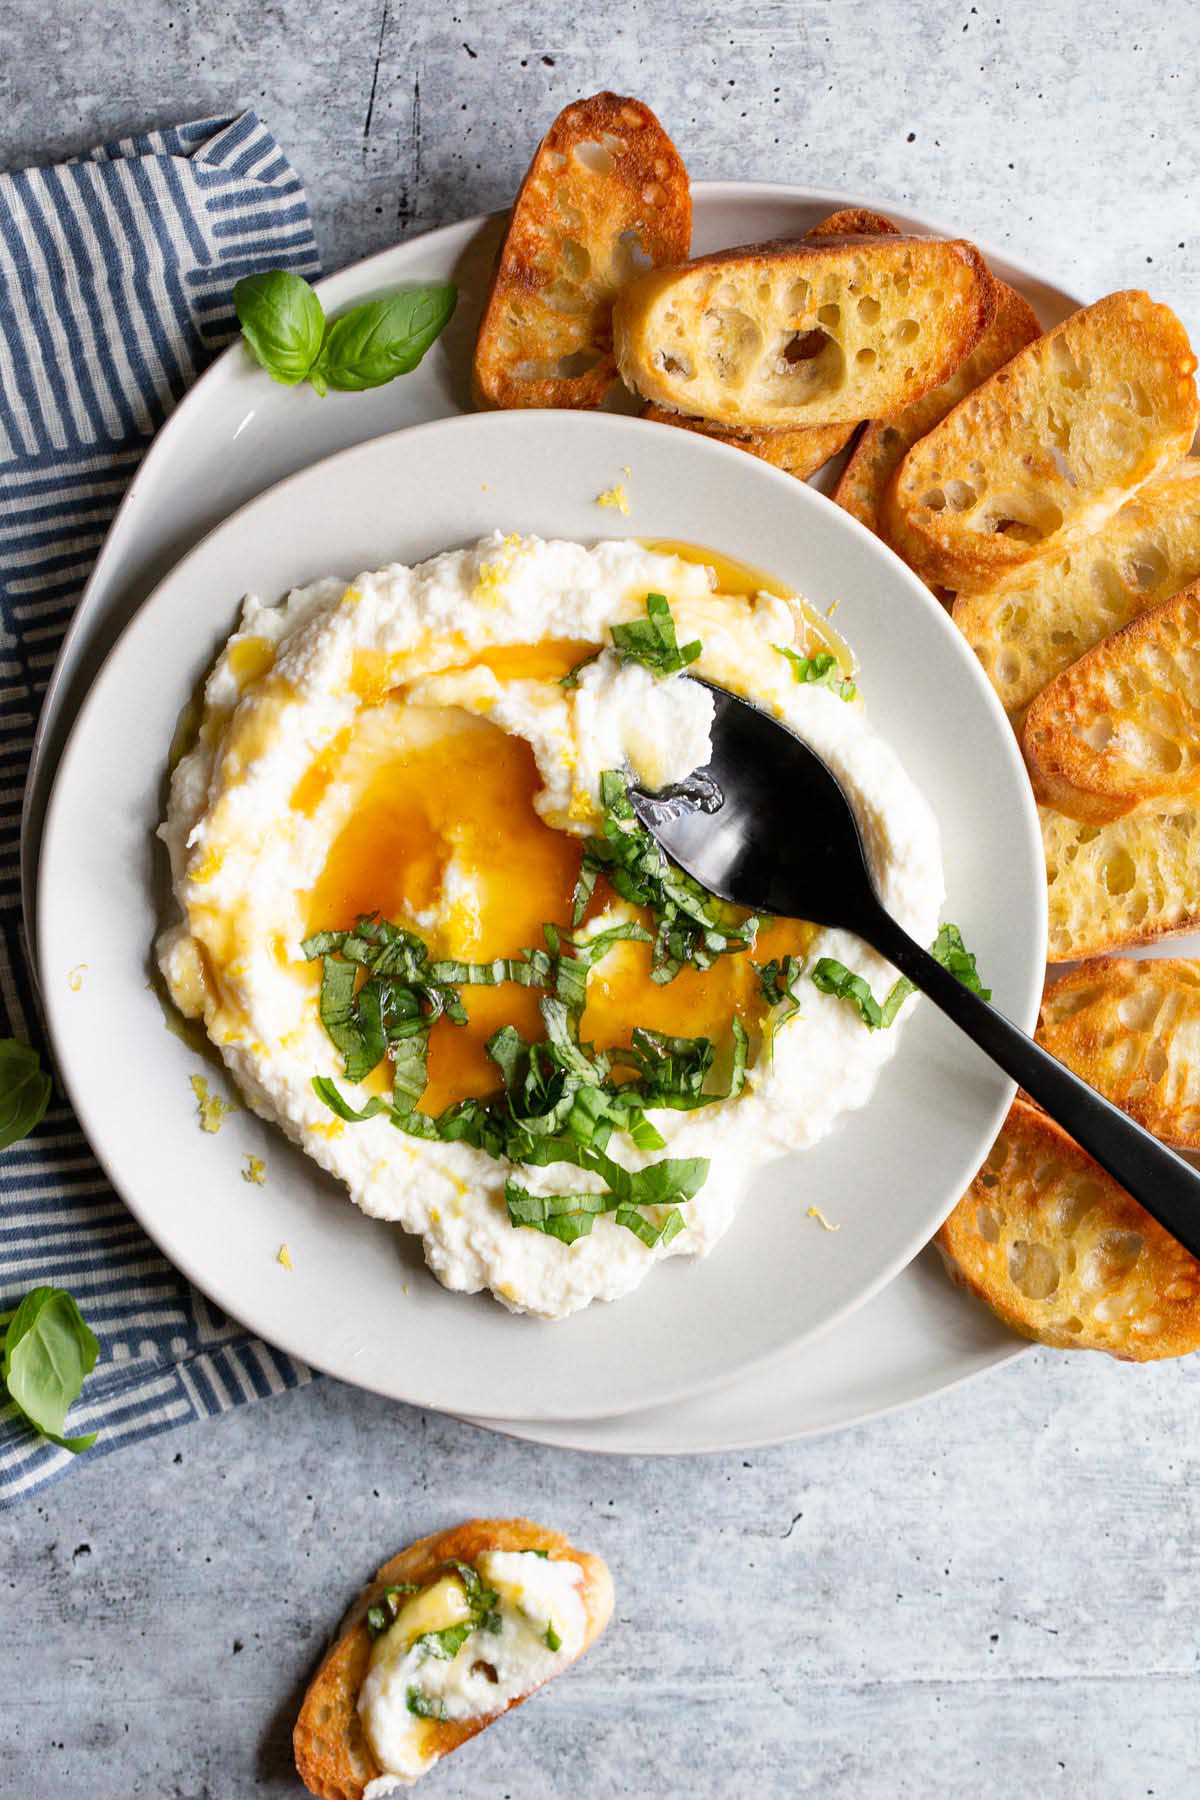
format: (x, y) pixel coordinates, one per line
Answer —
(406, 743)
(421, 1675)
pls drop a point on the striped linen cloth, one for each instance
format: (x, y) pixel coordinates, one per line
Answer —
(116, 276)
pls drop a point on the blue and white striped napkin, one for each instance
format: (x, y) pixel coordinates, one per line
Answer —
(116, 276)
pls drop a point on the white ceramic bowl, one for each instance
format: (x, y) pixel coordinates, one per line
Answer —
(358, 1301)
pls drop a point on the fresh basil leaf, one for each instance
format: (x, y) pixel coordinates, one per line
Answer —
(652, 642)
(822, 670)
(25, 1091)
(375, 342)
(282, 322)
(553, 1641)
(48, 1351)
(425, 1706)
(571, 678)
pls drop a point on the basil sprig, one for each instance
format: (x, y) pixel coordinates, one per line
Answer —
(822, 670)
(652, 642)
(284, 325)
(833, 977)
(25, 1091)
(48, 1351)
(692, 926)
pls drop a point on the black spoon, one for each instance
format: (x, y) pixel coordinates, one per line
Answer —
(721, 826)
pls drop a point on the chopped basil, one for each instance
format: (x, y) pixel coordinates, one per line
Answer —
(571, 678)
(569, 1217)
(652, 642)
(553, 1641)
(822, 670)
(426, 1706)
(382, 1616)
(445, 1644)
(833, 977)
(692, 926)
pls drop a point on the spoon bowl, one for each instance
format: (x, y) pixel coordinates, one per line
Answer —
(766, 823)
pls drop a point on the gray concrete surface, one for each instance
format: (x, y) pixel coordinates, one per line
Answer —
(996, 1594)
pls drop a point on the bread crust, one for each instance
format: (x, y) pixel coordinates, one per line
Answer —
(800, 453)
(333, 1757)
(885, 442)
(1049, 447)
(1131, 1030)
(605, 168)
(1120, 729)
(803, 332)
(852, 221)
(1064, 1255)
(1026, 631)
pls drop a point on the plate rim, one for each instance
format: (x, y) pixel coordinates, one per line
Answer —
(799, 495)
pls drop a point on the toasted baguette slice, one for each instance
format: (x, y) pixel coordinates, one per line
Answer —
(605, 187)
(1048, 447)
(1114, 886)
(1024, 633)
(1132, 1030)
(809, 447)
(825, 332)
(333, 1756)
(852, 221)
(1063, 1255)
(800, 453)
(1119, 731)
(885, 442)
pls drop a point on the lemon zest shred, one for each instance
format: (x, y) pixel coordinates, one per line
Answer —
(814, 1212)
(212, 1110)
(614, 497)
(284, 1257)
(255, 1171)
(75, 978)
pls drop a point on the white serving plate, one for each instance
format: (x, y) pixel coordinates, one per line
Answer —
(889, 1174)
(234, 435)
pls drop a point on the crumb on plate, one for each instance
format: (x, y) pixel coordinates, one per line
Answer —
(255, 1171)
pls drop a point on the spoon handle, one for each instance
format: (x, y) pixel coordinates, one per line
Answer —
(1158, 1179)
